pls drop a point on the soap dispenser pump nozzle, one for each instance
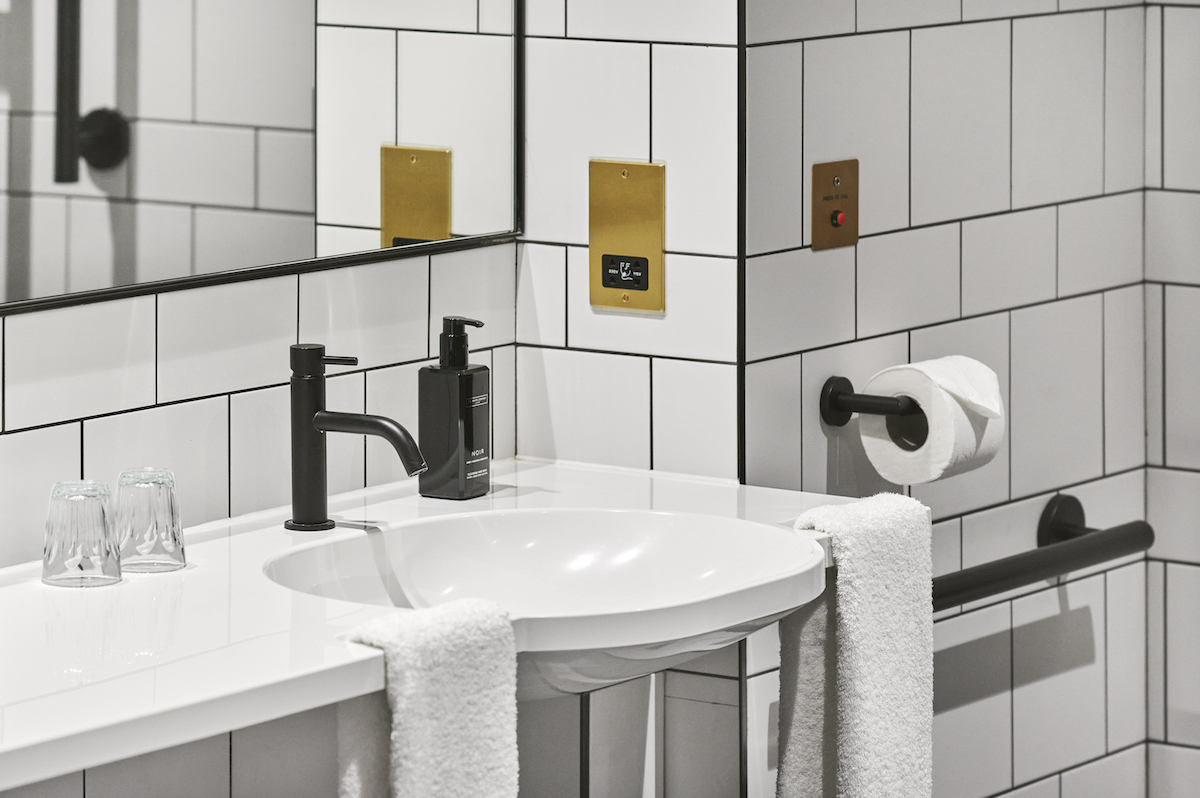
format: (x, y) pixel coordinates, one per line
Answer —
(454, 341)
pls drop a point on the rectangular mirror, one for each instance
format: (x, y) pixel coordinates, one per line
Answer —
(255, 133)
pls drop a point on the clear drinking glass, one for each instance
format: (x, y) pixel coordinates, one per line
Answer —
(148, 528)
(81, 550)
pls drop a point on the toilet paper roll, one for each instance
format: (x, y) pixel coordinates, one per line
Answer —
(961, 428)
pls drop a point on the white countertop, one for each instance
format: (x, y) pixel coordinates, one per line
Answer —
(89, 676)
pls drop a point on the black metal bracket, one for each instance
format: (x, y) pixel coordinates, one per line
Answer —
(1064, 545)
(839, 402)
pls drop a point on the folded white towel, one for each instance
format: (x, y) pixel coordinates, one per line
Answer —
(871, 636)
(451, 707)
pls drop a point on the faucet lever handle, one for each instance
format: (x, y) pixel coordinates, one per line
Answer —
(339, 360)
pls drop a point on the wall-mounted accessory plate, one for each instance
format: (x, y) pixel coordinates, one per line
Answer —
(835, 204)
(415, 194)
(627, 235)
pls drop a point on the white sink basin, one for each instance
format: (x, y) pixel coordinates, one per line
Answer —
(596, 596)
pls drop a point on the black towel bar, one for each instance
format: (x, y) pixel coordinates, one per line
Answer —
(1064, 545)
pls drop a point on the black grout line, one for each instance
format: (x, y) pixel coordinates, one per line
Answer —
(470, 33)
(650, 408)
(1104, 109)
(910, 126)
(1104, 383)
(1162, 97)
(1012, 30)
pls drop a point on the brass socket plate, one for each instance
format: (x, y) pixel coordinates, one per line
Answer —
(415, 194)
(627, 208)
(834, 190)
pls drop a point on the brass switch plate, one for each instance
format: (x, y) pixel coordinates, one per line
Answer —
(627, 235)
(834, 191)
(415, 189)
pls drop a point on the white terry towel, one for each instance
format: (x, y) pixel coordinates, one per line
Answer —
(856, 682)
(450, 712)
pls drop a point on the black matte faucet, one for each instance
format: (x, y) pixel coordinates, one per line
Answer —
(310, 422)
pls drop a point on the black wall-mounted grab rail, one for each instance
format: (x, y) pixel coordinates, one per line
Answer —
(1064, 545)
(101, 137)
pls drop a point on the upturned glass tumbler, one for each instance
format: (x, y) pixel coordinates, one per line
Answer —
(148, 527)
(81, 549)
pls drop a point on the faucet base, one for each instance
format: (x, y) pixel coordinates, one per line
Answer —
(320, 527)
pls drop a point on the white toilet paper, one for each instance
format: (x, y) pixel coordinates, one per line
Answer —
(961, 400)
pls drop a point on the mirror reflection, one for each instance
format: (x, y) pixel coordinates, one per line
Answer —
(234, 161)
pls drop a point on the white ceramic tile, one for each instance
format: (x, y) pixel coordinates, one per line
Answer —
(548, 732)
(504, 402)
(960, 123)
(477, 283)
(225, 337)
(985, 339)
(1046, 788)
(1181, 101)
(1154, 105)
(908, 279)
(293, 757)
(689, 397)
(204, 164)
(774, 162)
(1172, 505)
(1057, 125)
(1181, 378)
(992, 9)
(618, 725)
(1121, 775)
(1124, 99)
(701, 750)
(376, 312)
(569, 86)
(34, 136)
(496, 16)
(68, 786)
(412, 14)
(335, 240)
(230, 239)
(856, 106)
(78, 361)
(45, 249)
(884, 14)
(699, 322)
(164, 61)
(30, 463)
(1183, 654)
(834, 460)
(947, 547)
(1125, 594)
(1056, 421)
(562, 394)
(254, 63)
(190, 438)
(972, 695)
(1173, 771)
(163, 246)
(762, 738)
(194, 770)
(1002, 532)
(545, 18)
(356, 113)
(541, 295)
(1099, 243)
(694, 105)
(762, 650)
(774, 402)
(782, 20)
(455, 90)
(285, 171)
(1154, 374)
(392, 392)
(1072, 5)
(697, 21)
(1058, 678)
(798, 300)
(1156, 651)
(260, 445)
(1124, 379)
(1172, 236)
(94, 230)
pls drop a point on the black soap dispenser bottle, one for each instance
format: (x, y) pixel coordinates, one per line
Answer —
(455, 427)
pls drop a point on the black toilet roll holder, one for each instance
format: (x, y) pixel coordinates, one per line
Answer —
(906, 421)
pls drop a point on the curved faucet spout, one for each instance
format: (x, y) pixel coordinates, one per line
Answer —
(363, 424)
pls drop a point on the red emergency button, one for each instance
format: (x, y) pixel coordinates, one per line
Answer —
(838, 218)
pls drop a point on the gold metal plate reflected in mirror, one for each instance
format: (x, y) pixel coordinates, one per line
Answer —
(415, 189)
(627, 208)
(835, 204)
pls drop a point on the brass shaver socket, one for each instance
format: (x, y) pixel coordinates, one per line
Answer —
(835, 204)
(627, 235)
(415, 194)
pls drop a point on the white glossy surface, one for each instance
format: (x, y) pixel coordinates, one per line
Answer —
(88, 677)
